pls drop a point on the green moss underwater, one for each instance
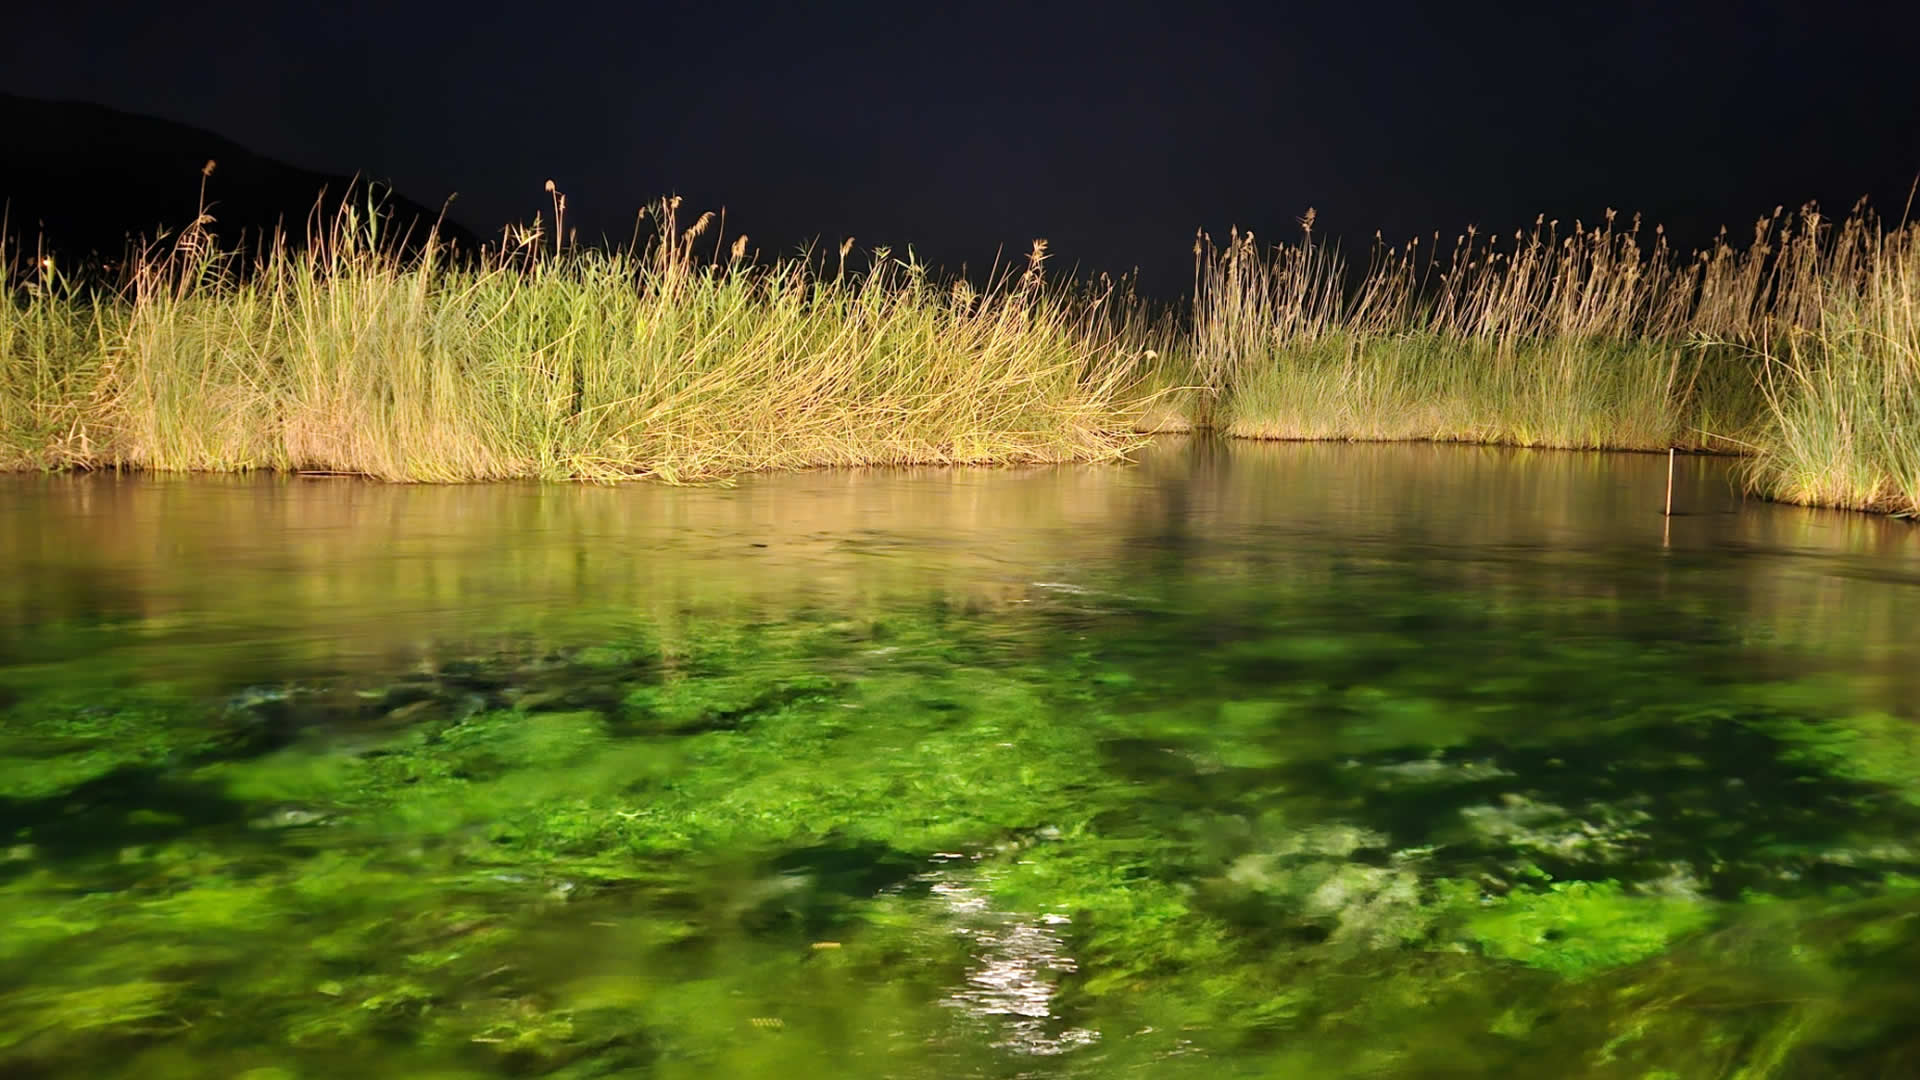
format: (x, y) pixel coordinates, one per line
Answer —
(1378, 829)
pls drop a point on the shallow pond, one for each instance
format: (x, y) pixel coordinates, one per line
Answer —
(1243, 760)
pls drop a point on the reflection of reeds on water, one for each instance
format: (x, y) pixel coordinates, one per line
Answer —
(366, 572)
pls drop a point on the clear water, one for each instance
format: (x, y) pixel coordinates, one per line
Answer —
(1289, 761)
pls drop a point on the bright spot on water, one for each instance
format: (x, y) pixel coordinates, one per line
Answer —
(1015, 959)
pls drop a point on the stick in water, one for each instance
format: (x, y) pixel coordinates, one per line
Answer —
(1669, 481)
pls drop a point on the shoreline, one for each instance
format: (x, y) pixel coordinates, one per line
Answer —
(539, 361)
(1118, 456)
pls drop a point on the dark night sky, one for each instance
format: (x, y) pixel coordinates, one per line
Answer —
(1113, 129)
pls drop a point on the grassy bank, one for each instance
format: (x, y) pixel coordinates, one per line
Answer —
(1800, 349)
(542, 362)
(688, 361)
(1841, 425)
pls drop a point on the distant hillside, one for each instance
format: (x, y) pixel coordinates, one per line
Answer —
(84, 179)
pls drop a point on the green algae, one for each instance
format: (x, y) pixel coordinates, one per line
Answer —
(1575, 928)
(463, 883)
(1378, 824)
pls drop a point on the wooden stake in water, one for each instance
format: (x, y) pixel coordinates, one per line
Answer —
(1669, 481)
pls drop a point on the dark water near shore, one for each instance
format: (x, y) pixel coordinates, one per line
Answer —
(1244, 760)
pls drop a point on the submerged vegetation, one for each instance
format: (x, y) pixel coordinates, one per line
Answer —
(1332, 808)
(1800, 351)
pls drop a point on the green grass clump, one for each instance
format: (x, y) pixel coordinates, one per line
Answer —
(1577, 341)
(53, 341)
(350, 357)
(1842, 423)
(539, 359)
(1800, 350)
(1427, 387)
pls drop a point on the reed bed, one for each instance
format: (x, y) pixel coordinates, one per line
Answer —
(544, 361)
(1841, 424)
(358, 355)
(1798, 348)
(53, 341)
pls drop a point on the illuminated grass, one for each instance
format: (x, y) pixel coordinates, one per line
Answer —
(1427, 387)
(1842, 423)
(1800, 349)
(349, 358)
(52, 345)
(540, 360)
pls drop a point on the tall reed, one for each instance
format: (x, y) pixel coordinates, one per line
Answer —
(685, 359)
(1796, 347)
(1842, 387)
(54, 338)
(1574, 340)
(541, 360)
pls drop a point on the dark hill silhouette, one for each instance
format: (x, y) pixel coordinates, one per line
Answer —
(83, 180)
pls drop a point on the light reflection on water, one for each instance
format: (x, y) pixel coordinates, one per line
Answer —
(157, 571)
(1018, 960)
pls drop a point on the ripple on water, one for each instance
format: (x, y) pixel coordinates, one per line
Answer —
(1017, 957)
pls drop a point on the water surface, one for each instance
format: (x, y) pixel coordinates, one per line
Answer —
(1247, 760)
